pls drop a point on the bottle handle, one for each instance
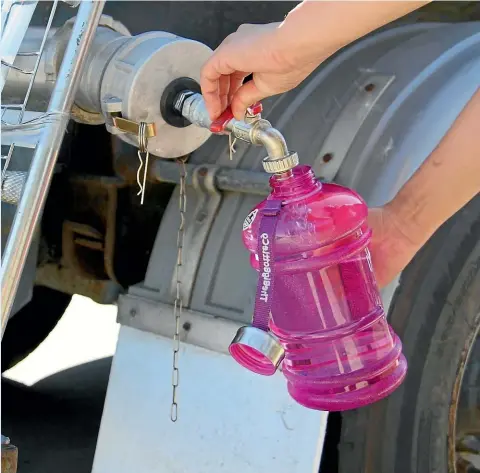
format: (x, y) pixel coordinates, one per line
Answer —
(255, 347)
(266, 260)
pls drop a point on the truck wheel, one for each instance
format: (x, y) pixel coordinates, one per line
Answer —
(431, 424)
(31, 325)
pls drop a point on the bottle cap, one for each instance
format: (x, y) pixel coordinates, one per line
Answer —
(256, 350)
(275, 166)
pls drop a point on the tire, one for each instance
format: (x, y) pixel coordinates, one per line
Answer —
(436, 312)
(468, 414)
(29, 327)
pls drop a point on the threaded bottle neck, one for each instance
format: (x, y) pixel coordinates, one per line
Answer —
(301, 180)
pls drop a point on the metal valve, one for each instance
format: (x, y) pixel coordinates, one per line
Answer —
(219, 126)
(253, 129)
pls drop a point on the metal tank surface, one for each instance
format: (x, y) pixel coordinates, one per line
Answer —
(367, 119)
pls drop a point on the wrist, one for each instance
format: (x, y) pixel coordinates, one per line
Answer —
(316, 30)
(303, 37)
(406, 215)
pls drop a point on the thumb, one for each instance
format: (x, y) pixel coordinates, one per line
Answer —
(245, 96)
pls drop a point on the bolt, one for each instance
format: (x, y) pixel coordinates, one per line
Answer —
(369, 87)
(327, 157)
(133, 312)
(203, 172)
(187, 326)
(201, 217)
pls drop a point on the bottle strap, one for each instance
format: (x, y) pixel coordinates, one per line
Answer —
(266, 259)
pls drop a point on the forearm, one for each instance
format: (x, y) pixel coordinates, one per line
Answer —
(317, 29)
(447, 180)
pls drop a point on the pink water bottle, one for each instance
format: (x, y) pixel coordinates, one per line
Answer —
(318, 311)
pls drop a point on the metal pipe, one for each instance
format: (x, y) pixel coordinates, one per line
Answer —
(248, 182)
(270, 138)
(226, 179)
(43, 162)
(192, 107)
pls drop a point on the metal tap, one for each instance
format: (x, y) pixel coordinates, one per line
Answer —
(253, 129)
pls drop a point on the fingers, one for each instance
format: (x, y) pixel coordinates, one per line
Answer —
(231, 90)
(245, 51)
(220, 81)
(228, 86)
(245, 96)
(236, 81)
(210, 91)
(218, 89)
(215, 88)
(224, 91)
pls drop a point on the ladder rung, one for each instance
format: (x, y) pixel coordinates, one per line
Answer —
(16, 68)
(13, 106)
(19, 136)
(29, 53)
(11, 115)
(21, 139)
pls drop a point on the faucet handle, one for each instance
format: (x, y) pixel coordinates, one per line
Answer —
(254, 112)
(218, 126)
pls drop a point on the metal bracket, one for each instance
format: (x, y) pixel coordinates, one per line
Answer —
(116, 124)
(341, 136)
(155, 317)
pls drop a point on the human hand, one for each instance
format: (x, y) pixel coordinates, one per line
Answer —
(281, 55)
(391, 247)
(261, 50)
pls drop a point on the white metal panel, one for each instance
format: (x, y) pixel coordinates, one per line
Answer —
(230, 420)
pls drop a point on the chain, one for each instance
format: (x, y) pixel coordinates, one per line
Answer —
(178, 304)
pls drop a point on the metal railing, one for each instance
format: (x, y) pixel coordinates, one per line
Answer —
(42, 131)
(16, 17)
